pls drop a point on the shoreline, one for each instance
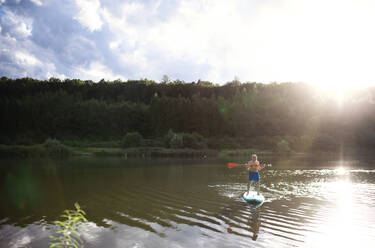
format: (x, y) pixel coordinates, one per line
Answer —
(39, 150)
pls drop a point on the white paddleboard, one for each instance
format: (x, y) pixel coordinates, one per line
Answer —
(253, 196)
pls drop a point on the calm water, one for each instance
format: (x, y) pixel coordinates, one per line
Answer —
(187, 203)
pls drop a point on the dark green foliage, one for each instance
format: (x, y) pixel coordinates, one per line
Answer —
(169, 137)
(56, 149)
(168, 152)
(194, 140)
(325, 143)
(50, 148)
(184, 140)
(87, 143)
(282, 146)
(21, 151)
(176, 141)
(132, 139)
(153, 143)
(235, 115)
(223, 142)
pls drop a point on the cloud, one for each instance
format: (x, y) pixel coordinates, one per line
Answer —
(15, 25)
(95, 71)
(18, 62)
(26, 59)
(37, 2)
(276, 40)
(89, 14)
(19, 57)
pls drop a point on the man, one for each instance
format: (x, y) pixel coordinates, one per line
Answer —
(254, 167)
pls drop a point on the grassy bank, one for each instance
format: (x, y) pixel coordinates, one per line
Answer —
(58, 150)
(175, 145)
(143, 152)
(41, 150)
(50, 148)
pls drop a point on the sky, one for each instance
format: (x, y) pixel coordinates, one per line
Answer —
(328, 43)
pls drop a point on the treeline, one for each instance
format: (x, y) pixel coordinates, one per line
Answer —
(286, 116)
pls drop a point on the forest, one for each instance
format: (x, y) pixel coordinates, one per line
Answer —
(277, 116)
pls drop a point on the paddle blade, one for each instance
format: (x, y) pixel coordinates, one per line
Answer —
(231, 165)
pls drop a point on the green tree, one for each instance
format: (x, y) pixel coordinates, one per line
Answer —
(132, 139)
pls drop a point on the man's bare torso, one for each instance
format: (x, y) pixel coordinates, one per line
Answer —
(253, 166)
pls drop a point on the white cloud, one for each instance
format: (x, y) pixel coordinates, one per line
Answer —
(285, 40)
(16, 25)
(281, 40)
(89, 14)
(27, 59)
(24, 29)
(34, 66)
(37, 2)
(96, 71)
(19, 60)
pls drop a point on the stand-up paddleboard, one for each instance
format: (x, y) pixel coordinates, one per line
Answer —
(253, 197)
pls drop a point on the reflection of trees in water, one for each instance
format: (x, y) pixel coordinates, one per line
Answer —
(253, 220)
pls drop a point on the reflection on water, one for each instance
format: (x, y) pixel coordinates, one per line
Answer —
(186, 203)
(349, 221)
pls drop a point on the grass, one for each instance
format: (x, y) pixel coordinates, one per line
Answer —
(244, 152)
(54, 148)
(39, 150)
(168, 152)
(22, 151)
(86, 143)
(98, 151)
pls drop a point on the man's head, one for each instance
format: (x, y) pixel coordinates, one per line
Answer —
(254, 157)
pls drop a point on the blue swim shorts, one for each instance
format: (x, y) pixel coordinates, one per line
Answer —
(254, 176)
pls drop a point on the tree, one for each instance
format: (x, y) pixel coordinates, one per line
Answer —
(132, 139)
(165, 79)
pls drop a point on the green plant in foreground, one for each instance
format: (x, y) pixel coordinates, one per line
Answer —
(67, 234)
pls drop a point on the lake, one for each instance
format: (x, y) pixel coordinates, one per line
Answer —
(189, 203)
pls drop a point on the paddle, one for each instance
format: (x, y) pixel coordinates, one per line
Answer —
(232, 165)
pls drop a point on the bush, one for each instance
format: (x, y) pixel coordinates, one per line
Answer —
(87, 143)
(194, 140)
(176, 141)
(56, 149)
(223, 143)
(19, 151)
(153, 142)
(168, 137)
(302, 143)
(169, 153)
(184, 140)
(265, 142)
(132, 139)
(173, 140)
(283, 146)
(325, 142)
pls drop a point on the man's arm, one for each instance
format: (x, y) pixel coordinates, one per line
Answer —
(262, 166)
(247, 165)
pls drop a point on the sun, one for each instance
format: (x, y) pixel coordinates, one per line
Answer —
(340, 171)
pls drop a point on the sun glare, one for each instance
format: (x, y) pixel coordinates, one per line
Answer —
(339, 98)
(340, 171)
(341, 215)
(339, 228)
